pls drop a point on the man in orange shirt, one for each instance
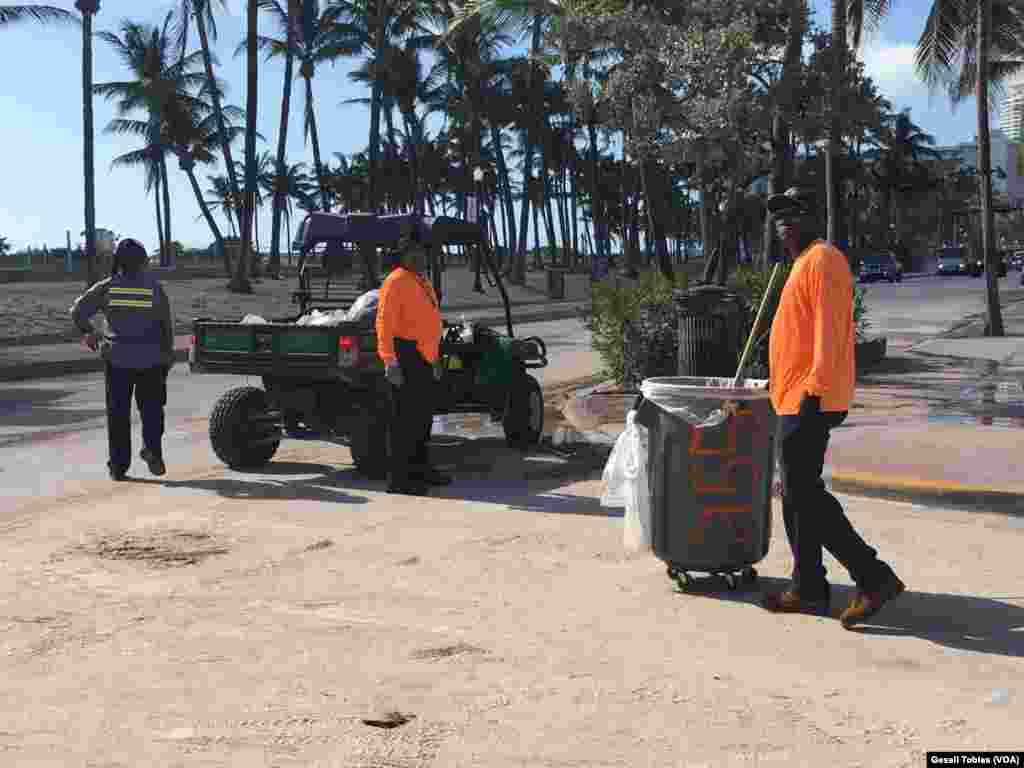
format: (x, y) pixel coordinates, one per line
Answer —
(813, 373)
(408, 341)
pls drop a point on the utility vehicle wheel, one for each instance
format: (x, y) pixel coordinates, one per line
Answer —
(524, 417)
(243, 431)
(369, 443)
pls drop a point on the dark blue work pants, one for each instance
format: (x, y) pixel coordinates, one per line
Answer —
(149, 385)
(814, 518)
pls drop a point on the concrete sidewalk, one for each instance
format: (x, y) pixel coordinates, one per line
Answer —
(18, 363)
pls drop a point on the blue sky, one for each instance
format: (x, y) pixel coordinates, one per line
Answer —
(41, 129)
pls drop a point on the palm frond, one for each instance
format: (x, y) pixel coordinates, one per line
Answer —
(43, 14)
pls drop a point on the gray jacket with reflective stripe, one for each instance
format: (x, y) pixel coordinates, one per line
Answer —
(139, 315)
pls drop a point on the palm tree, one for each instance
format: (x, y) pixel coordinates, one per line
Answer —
(288, 16)
(206, 24)
(378, 25)
(849, 20)
(318, 38)
(160, 88)
(12, 14)
(240, 282)
(191, 135)
(88, 9)
(899, 165)
(220, 198)
(296, 185)
(150, 157)
(264, 183)
(969, 46)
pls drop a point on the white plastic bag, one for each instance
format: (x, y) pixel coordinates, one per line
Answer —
(625, 479)
(318, 318)
(364, 308)
(703, 403)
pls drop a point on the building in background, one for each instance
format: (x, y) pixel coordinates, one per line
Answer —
(1007, 162)
(1011, 110)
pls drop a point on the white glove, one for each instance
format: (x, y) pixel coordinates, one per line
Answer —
(393, 373)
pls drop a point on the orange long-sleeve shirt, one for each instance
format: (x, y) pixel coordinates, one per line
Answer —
(408, 308)
(812, 339)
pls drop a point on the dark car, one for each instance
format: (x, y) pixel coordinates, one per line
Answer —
(954, 260)
(880, 266)
(979, 265)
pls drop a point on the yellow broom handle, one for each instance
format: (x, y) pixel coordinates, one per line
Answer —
(757, 324)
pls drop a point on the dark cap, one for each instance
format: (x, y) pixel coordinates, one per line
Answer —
(130, 253)
(793, 200)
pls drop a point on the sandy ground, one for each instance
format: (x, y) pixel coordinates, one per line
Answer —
(196, 623)
(38, 312)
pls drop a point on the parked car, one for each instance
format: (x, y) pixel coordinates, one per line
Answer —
(953, 260)
(979, 265)
(879, 266)
(1016, 261)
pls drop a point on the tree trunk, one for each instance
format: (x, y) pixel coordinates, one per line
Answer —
(655, 220)
(280, 192)
(159, 215)
(240, 283)
(994, 317)
(379, 25)
(389, 166)
(549, 218)
(573, 200)
(596, 212)
(168, 260)
(89, 168)
(188, 166)
(314, 137)
(536, 237)
(211, 80)
(412, 130)
(288, 229)
(505, 196)
(833, 182)
(533, 120)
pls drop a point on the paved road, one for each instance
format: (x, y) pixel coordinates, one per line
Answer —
(927, 305)
(53, 432)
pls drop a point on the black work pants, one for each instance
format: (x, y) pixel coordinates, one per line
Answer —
(149, 385)
(814, 518)
(412, 416)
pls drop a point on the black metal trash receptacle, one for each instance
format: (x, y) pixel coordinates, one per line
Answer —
(710, 331)
(556, 282)
(711, 487)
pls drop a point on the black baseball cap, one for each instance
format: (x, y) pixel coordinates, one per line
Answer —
(794, 200)
(130, 252)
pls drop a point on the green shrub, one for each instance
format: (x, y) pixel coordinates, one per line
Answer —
(751, 282)
(620, 310)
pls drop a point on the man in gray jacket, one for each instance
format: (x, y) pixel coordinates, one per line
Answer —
(138, 350)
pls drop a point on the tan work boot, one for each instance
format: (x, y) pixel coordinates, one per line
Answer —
(866, 604)
(791, 602)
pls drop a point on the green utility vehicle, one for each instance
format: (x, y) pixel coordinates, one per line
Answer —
(326, 382)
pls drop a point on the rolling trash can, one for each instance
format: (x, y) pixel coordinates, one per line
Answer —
(710, 460)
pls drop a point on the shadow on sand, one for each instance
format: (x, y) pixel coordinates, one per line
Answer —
(962, 622)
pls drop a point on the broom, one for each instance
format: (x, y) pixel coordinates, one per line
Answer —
(744, 358)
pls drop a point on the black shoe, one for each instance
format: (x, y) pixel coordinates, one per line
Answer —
(434, 477)
(117, 474)
(156, 464)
